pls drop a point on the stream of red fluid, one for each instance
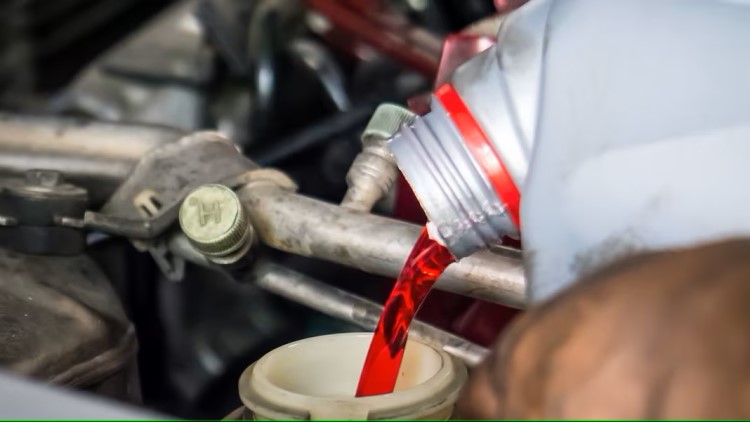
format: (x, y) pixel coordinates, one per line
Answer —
(426, 262)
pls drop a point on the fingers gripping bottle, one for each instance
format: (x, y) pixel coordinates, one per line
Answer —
(594, 130)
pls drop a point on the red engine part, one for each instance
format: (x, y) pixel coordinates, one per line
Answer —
(354, 23)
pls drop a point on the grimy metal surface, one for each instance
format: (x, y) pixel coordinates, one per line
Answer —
(305, 226)
(62, 321)
(100, 155)
(95, 155)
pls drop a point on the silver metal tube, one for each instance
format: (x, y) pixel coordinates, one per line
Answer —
(309, 227)
(371, 176)
(373, 173)
(95, 155)
(359, 311)
(335, 302)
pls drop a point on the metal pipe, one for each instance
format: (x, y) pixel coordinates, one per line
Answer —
(374, 172)
(333, 301)
(99, 155)
(301, 225)
(93, 154)
(352, 308)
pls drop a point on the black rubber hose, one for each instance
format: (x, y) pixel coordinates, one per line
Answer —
(314, 135)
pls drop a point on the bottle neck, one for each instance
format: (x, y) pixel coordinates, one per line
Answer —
(458, 176)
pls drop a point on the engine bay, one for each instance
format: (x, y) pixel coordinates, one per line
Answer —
(113, 113)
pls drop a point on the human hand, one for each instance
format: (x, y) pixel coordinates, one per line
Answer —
(662, 335)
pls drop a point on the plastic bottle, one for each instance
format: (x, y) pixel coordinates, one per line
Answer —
(595, 130)
(316, 378)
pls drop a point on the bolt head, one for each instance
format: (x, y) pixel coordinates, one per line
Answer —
(47, 184)
(43, 178)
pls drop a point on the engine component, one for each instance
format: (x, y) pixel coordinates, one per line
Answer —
(362, 312)
(168, 173)
(147, 203)
(62, 322)
(308, 227)
(42, 43)
(32, 212)
(121, 85)
(215, 221)
(336, 302)
(373, 173)
(337, 125)
(94, 155)
(371, 24)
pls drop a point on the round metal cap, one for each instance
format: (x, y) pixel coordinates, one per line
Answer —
(214, 220)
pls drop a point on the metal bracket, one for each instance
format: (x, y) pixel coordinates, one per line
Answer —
(147, 203)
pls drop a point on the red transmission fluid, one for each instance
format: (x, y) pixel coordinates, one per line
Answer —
(426, 262)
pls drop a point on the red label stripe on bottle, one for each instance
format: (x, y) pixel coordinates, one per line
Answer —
(482, 150)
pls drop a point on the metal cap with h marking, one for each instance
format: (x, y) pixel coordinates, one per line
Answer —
(215, 221)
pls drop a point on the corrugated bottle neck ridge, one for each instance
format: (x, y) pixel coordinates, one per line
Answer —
(454, 193)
